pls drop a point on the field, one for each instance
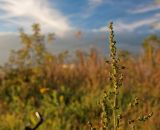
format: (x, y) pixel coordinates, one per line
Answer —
(68, 93)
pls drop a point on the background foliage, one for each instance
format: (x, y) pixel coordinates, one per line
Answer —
(68, 93)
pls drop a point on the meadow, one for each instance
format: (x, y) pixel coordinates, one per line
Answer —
(68, 93)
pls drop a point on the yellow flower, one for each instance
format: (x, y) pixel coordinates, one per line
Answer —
(43, 90)
(61, 99)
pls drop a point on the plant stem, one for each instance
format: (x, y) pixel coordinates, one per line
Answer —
(114, 73)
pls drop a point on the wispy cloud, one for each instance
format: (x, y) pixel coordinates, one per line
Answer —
(26, 12)
(95, 3)
(91, 6)
(121, 26)
(145, 8)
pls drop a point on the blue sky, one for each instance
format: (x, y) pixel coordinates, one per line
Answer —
(133, 21)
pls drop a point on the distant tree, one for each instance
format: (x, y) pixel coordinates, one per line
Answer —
(33, 51)
(151, 46)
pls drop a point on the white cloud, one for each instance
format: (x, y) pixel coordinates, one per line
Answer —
(7, 33)
(26, 12)
(145, 8)
(120, 26)
(91, 6)
(156, 26)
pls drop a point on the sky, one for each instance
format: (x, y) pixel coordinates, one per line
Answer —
(79, 24)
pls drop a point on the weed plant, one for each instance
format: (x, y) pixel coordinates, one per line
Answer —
(111, 103)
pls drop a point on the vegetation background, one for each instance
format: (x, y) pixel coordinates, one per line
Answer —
(67, 92)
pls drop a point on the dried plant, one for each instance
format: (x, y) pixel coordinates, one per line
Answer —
(111, 105)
